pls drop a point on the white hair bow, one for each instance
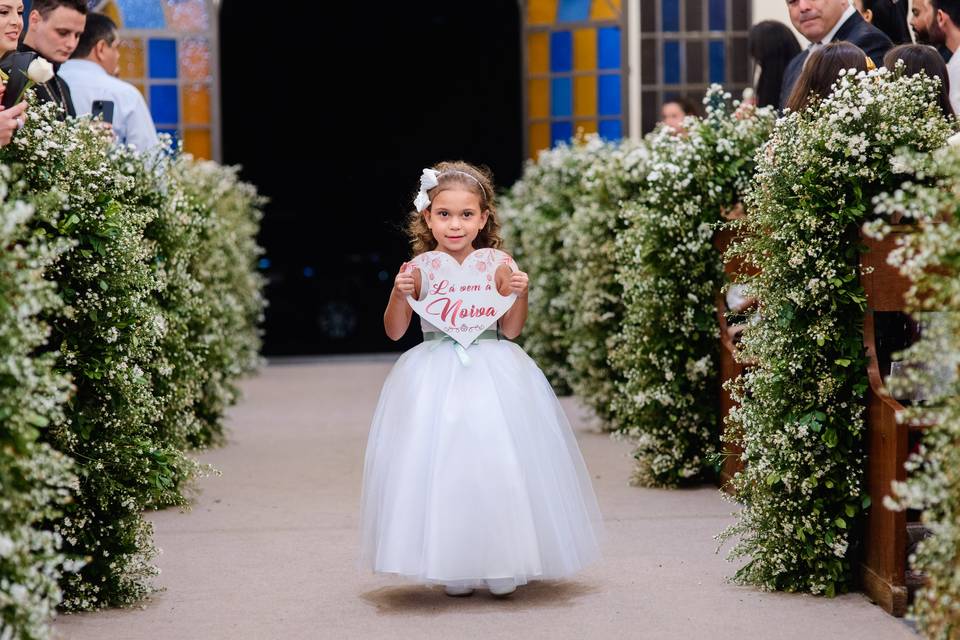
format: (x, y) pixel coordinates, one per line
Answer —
(427, 181)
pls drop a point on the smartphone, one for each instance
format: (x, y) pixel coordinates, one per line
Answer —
(103, 108)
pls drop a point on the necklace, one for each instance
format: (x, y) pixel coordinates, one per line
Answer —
(59, 96)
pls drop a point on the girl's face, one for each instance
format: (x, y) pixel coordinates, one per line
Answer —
(11, 24)
(455, 218)
(672, 115)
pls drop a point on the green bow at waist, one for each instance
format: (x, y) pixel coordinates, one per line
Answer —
(439, 337)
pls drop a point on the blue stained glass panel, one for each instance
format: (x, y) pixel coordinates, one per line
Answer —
(718, 61)
(561, 97)
(573, 10)
(561, 51)
(142, 14)
(608, 48)
(718, 15)
(560, 132)
(164, 104)
(610, 129)
(670, 13)
(163, 58)
(671, 62)
(608, 88)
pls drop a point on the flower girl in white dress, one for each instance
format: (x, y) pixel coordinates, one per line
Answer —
(472, 475)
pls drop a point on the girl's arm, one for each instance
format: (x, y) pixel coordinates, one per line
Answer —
(396, 319)
(511, 324)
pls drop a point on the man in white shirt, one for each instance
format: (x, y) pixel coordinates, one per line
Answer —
(824, 21)
(944, 28)
(90, 74)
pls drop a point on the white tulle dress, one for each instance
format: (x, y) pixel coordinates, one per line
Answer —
(473, 473)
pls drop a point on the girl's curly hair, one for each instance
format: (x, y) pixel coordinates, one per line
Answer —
(451, 176)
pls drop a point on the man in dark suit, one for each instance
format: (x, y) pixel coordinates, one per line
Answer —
(825, 21)
(54, 30)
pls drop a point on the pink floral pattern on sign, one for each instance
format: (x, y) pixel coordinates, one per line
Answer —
(462, 299)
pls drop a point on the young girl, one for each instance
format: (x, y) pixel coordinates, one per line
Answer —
(472, 477)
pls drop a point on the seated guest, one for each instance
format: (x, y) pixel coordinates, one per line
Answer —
(921, 58)
(944, 28)
(921, 11)
(890, 16)
(674, 110)
(90, 74)
(822, 70)
(825, 21)
(772, 46)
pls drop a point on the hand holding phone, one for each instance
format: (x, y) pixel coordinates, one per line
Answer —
(103, 108)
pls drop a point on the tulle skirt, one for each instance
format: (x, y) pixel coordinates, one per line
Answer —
(472, 472)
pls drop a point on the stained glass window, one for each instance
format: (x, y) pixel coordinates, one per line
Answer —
(575, 76)
(577, 68)
(687, 44)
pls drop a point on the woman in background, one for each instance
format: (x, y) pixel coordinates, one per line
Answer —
(822, 69)
(921, 58)
(772, 45)
(675, 110)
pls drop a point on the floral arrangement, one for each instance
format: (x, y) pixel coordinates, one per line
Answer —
(131, 308)
(536, 213)
(590, 246)
(35, 480)
(930, 257)
(665, 355)
(106, 332)
(799, 419)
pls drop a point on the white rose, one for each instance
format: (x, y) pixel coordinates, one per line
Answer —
(40, 71)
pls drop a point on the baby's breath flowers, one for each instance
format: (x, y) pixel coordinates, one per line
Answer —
(799, 419)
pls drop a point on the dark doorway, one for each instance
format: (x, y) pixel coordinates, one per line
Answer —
(333, 113)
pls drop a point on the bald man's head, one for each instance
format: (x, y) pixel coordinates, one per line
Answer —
(816, 18)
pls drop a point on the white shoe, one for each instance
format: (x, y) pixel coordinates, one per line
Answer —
(452, 590)
(501, 586)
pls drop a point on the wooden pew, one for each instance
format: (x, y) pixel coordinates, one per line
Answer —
(729, 367)
(883, 565)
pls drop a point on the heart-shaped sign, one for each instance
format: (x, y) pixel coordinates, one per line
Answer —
(462, 299)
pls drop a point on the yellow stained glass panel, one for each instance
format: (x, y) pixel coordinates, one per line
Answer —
(198, 142)
(538, 97)
(605, 10)
(585, 96)
(586, 126)
(539, 138)
(196, 104)
(585, 50)
(132, 64)
(110, 10)
(541, 11)
(538, 53)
